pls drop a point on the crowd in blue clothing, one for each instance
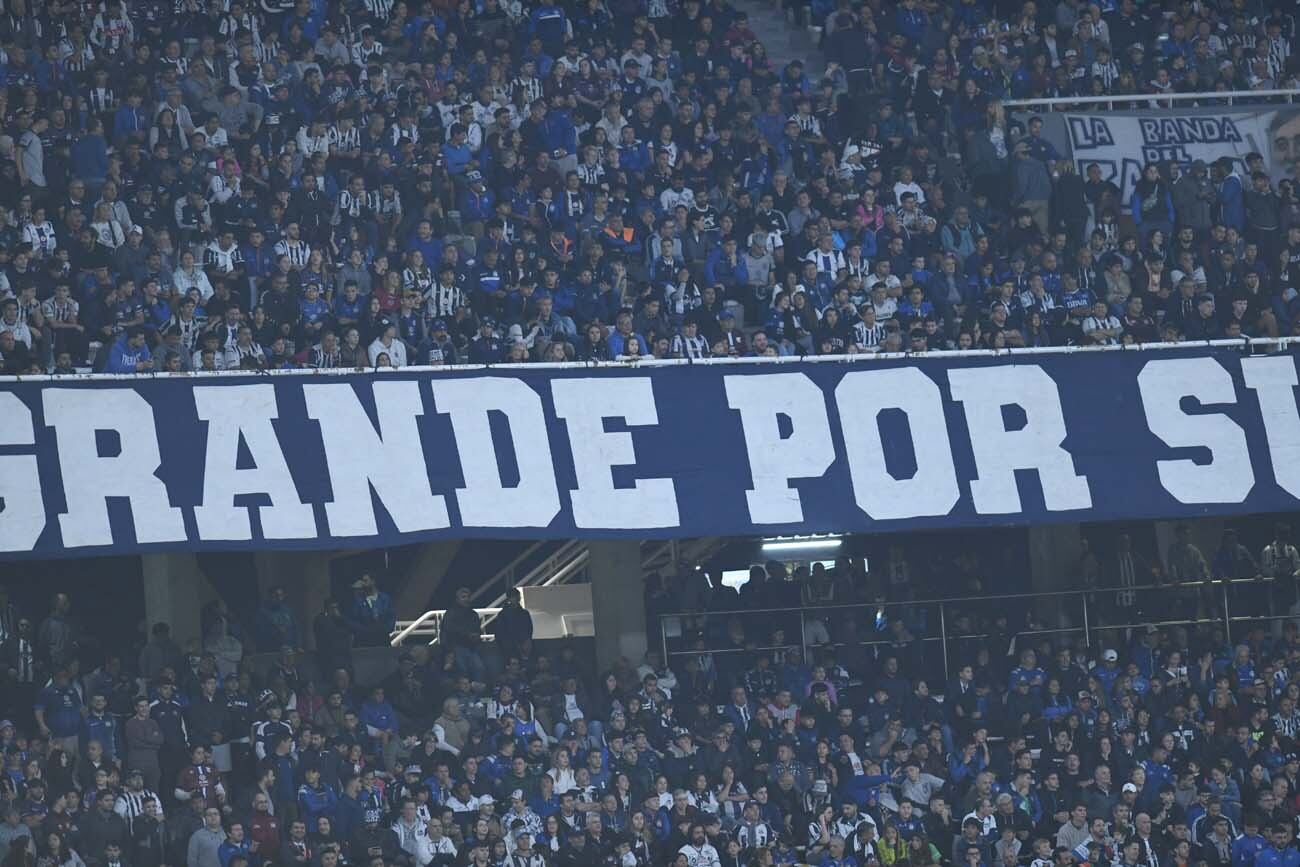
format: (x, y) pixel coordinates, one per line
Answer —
(1149, 747)
(364, 183)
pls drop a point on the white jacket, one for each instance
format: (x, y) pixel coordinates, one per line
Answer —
(414, 840)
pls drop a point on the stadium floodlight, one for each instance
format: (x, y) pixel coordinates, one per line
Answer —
(783, 545)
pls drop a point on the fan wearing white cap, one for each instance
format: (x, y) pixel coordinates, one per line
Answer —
(1108, 671)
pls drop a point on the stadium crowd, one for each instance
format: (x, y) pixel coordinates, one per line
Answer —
(1163, 747)
(238, 184)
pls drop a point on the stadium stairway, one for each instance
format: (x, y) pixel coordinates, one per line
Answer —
(549, 564)
(783, 37)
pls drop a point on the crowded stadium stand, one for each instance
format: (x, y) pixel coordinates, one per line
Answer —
(649, 433)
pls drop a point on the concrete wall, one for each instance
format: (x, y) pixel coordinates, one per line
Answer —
(175, 591)
(564, 609)
(618, 601)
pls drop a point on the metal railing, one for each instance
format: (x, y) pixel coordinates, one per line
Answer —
(929, 619)
(565, 564)
(428, 624)
(1140, 101)
(1264, 344)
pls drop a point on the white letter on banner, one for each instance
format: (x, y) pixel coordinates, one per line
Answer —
(773, 461)
(359, 458)
(484, 502)
(983, 392)
(1227, 477)
(76, 414)
(861, 397)
(1274, 380)
(23, 516)
(584, 404)
(248, 410)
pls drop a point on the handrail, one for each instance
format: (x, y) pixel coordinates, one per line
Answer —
(414, 625)
(1155, 100)
(507, 570)
(555, 569)
(1243, 343)
(1087, 627)
(983, 598)
(557, 572)
(430, 622)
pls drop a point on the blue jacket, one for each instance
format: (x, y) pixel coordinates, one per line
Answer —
(547, 24)
(367, 615)
(717, 270)
(123, 359)
(1246, 850)
(228, 850)
(129, 120)
(314, 803)
(478, 206)
(456, 158)
(635, 158)
(1232, 209)
(90, 158)
(558, 131)
(103, 729)
(911, 23)
(379, 715)
(618, 343)
(1274, 857)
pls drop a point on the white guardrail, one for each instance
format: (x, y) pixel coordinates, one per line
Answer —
(624, 362)
(1148, 100)
(430, 622)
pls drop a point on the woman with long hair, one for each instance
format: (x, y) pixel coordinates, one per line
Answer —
(1152, 203)
(57, 853)
(891, 847)
(165, 131)
(921, 852)
(561, 770)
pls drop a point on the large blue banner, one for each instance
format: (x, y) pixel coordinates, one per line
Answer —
(89, 466)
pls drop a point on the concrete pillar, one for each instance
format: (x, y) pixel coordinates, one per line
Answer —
(175, 591)
(1053, 557)
(305, 576)
(617, 600)
(422, 579)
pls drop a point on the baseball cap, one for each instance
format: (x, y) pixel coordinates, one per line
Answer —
(1109, 655)
(414, 769)
(1129, 787)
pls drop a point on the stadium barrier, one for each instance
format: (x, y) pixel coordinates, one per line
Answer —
(1091, 614)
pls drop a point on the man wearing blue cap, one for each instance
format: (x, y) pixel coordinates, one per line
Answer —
(437, 347)
(486, 347)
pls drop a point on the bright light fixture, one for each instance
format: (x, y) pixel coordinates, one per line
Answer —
(804, 543)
